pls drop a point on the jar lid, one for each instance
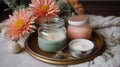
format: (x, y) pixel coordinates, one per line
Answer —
(78, 20)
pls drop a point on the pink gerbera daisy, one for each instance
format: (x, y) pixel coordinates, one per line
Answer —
(43, 8)
(19, 24)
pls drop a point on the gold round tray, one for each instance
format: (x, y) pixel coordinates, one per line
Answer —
(32, 48)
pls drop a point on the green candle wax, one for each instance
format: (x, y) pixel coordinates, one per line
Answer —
(52, 42)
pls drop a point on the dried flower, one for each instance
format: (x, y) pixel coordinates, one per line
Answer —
(77, 6)
(19, 25)
(43, 8)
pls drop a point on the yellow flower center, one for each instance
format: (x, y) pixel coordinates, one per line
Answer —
(44, 7)
(19, 23)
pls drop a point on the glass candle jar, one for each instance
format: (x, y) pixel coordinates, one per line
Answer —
(79, 27)
(52, 35)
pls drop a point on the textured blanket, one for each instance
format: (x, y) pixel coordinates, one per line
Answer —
(109, 28)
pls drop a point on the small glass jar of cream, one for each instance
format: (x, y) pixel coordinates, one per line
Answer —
(79, 27)
(80, 47)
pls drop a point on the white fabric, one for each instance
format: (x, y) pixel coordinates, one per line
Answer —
(108, 27)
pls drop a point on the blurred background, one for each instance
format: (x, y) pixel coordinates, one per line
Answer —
(96, 7)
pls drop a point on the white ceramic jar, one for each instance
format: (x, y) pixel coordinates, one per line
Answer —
(80, 47)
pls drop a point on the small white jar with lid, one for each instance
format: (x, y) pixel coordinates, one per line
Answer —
(80, 47)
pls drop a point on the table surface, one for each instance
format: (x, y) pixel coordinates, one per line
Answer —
(22, 59)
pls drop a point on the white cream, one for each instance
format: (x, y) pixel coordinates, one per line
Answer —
(82, 45)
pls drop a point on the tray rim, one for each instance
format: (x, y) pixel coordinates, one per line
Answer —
(64, 61)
